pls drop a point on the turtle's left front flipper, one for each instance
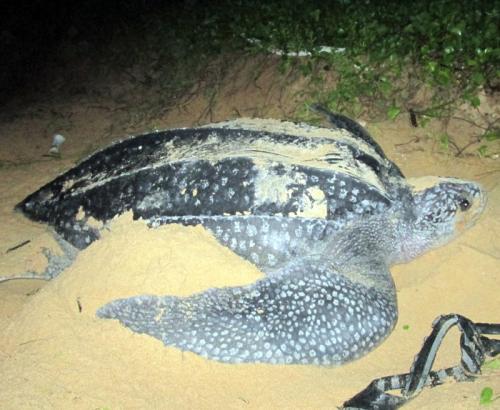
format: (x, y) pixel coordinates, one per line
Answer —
(306, 313)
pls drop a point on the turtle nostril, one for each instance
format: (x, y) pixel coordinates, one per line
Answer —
(464, 204)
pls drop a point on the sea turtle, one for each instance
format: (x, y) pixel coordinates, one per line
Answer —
(322, 212)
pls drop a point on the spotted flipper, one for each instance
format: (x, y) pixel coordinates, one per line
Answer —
(303, 314)
(269, 242)
(345, 123)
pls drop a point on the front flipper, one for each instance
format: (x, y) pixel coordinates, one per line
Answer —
(303, 314)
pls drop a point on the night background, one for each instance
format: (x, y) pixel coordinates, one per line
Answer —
(453, 43)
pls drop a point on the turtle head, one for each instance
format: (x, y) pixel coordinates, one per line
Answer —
(443, 208)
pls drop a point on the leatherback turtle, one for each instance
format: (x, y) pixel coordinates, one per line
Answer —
(322, 212)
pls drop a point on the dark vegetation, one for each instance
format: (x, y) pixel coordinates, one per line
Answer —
(383, 52)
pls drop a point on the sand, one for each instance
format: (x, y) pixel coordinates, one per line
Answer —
(56, 354)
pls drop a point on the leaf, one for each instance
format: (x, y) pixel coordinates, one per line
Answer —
(492, 135)
(443, 76)
(482, 150)
(424, 120)
(444, 140)
(431, 66)
(486, 396)
(492, 364)
(406, 327)
(477, 78)
(393, 112)
(316, 14)
(475, 101)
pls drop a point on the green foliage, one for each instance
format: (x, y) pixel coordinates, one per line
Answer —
(451, 45)
(383, 52)
(393, 112)
(492, 364)
(487, 394)
(492, 135)
(488, 136)
(444, 141)
(486, 397)
(482, 150)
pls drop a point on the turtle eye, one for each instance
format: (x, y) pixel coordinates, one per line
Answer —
(464, 204)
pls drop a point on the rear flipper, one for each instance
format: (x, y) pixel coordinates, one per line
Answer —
(288, 317)
(345, 123)
(55, 263)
